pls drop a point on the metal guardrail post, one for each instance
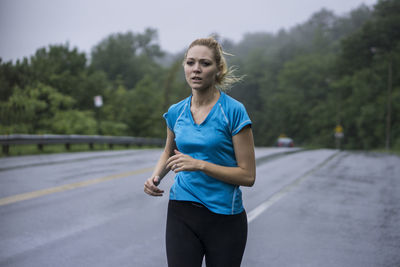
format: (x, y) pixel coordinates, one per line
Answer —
(68, 140)
(6, 149)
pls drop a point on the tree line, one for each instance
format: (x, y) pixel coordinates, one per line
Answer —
(302, 82)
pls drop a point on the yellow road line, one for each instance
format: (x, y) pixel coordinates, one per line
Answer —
(62, 188)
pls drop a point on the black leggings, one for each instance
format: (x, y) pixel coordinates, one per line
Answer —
(194, 232)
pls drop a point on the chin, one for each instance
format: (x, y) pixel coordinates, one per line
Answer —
(201, 88)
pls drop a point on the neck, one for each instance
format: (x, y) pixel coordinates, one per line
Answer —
(201, 98)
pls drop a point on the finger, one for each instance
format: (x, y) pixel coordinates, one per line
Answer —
(149, 185)
(177, 151)
(174, 167)
(152, 190)
(172, 158)
(152, 193)
(171, 164)
(178, 167)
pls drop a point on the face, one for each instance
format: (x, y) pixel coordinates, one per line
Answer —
(200, 68)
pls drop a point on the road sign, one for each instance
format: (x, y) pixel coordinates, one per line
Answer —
(98, 101)
(339, 129)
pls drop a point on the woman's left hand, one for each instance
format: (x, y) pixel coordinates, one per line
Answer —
(182, 162)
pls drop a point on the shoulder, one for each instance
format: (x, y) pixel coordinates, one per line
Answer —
(235, 113)
(175, 111)
(231, 104)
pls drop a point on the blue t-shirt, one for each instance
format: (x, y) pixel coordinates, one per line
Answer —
(209, 141)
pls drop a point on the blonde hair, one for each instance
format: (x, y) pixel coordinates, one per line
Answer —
(226, 77)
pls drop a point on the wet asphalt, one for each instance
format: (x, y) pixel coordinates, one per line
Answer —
(307, 208)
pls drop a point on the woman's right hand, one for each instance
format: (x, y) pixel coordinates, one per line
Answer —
(150, 186)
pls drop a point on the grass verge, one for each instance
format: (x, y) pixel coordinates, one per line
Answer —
(22, 150)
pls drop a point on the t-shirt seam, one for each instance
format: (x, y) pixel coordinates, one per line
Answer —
(233, 199)
(183, 110)
(223, 113)
(234, 131)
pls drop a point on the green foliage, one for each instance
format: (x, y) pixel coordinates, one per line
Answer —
(305, 81)
(301, 82)
(363, 67)
(144, 109)
(31, 109)
(303, 93)
(127, 57)
(74, 122)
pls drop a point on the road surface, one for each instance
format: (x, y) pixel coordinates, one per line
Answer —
(307, 208)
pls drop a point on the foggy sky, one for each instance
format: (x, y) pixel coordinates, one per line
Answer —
(26, 25)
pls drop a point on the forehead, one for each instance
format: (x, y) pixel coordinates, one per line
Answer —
(200, 52)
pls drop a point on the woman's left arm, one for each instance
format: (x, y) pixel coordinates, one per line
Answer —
(245, 172)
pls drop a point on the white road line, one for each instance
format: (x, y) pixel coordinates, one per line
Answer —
(253, 214)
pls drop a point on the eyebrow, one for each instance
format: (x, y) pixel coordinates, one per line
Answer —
(201, 59)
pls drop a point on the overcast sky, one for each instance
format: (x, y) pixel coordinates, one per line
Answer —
(26, 25)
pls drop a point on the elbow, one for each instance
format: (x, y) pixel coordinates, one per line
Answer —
(250, 180)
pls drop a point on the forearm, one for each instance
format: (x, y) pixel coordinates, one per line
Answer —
(161, 167)
(245, 172)
(231, 175)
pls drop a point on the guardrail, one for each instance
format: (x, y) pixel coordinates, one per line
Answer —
(68, 140)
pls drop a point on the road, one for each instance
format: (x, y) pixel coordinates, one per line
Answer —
(307, 208)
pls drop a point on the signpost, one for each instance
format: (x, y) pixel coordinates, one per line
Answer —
(98, 103)
(338, 135)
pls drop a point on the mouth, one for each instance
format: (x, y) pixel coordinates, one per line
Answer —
(196, 79)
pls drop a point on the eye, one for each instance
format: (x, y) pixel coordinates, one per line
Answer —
(206, 63)
(189, 62)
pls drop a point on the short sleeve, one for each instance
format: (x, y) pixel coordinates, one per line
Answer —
(173, 113)
(167, 116)
(239, 118)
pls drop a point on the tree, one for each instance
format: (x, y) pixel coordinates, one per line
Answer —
(74, 122)
(128, 56)
(374, 50)
(31, 110)
(59, 67)
(144, 109)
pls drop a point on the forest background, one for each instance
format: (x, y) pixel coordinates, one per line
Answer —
(302, 82)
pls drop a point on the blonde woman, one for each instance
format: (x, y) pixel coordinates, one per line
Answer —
(210, 148)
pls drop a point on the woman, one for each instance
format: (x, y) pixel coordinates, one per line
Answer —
(210, 148)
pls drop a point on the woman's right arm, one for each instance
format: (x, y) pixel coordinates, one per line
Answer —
(151, 184)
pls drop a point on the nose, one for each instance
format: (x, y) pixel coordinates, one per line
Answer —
(197, 68)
